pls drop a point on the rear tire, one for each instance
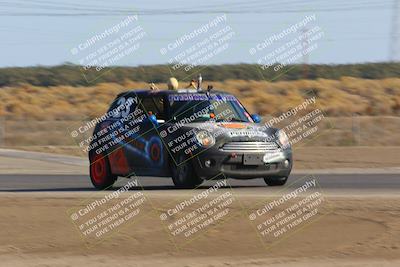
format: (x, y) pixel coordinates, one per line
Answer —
(100, 172)
(275, 181)
(184, 175)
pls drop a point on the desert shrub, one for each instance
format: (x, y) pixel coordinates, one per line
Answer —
(344, 97)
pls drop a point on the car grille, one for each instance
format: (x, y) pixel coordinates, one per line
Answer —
(249, 146)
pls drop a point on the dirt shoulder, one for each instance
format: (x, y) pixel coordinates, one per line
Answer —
(36, 231)
(346, 157)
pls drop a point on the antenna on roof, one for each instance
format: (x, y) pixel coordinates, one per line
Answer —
(209, 88)
(153, 87)
(199, 81)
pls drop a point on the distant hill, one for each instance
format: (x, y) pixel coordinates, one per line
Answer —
(72, 75)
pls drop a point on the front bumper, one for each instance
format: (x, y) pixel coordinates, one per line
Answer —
(231, 164)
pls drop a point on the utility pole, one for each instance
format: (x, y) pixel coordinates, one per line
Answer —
(305, 53)
(395, 33)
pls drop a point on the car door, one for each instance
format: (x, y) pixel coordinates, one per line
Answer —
(117, 139)
(143, 148)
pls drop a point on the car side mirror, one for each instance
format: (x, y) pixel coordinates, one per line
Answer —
(152, 118)
(155, 120)
(256, 118)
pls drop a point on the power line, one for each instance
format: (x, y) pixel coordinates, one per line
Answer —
(261, 8)
(394, 48)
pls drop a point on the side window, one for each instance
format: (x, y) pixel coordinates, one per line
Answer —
(155, 105)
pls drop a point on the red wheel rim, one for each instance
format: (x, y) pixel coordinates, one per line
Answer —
(98, 169)
(155, 152)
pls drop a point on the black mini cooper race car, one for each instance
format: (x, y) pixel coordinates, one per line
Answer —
(189, 135)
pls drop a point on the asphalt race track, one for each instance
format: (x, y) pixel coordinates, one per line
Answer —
(356, 183)
(23, 171)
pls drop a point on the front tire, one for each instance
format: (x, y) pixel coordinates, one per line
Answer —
(184, 175)
(277, 181)
(100, 172)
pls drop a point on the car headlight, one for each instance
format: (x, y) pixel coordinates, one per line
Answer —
(205, 138)
(283, 139)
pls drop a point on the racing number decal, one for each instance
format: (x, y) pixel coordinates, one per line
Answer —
(123, 102)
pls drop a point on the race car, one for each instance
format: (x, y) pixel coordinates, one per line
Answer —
(190, 135)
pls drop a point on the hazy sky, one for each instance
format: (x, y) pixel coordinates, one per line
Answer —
(43, 32)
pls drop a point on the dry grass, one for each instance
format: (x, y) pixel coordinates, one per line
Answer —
(359, 111)
(337, 97)
(332, 131)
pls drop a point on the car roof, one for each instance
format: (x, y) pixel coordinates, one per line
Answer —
(147, 92)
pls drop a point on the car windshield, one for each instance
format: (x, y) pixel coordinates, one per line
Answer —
(201, 107)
